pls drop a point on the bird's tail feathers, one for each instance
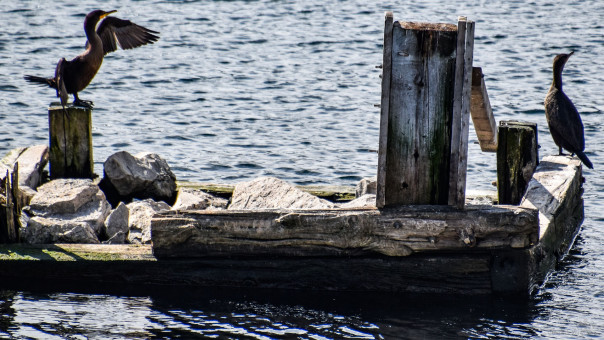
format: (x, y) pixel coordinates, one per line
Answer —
(584, 159)
(41, 80)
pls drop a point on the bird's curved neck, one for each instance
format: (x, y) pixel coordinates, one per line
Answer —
(91, 35)
(557, 82)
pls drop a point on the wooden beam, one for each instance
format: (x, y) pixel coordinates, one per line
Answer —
(482, 114)
(517, 157)
(384, 111)
(70, 130)
(341, 232)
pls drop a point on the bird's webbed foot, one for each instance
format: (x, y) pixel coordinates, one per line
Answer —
(83, 103)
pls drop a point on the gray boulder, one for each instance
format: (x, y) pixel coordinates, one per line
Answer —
(145, 175)
(366, 186)
(65, 211)
(115, 227)
(32, 161)
(139, 222)
(192, 199)
(273, 193)
(367, 200)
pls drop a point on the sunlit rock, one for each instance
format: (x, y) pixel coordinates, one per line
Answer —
(115, 228)
(366, 186)
(65, 211)
(191, 199)
(270, 192)
(145, 175)
(139, 222)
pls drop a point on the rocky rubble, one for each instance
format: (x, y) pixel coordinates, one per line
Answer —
(140, 186)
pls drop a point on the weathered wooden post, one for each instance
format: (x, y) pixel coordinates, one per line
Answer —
(70, 142)
(517, 158)
(10, 209)
(426, 85)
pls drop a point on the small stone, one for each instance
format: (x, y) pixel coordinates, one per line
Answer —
(367, 200)
(273, 193)
(191, 199)
(32, 161)
(139, 222)
(115, 227)
(366, 186)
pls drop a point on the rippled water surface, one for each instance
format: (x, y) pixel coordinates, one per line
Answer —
(238, 89)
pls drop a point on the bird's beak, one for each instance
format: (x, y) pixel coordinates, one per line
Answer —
(571, 53)
(107, 13)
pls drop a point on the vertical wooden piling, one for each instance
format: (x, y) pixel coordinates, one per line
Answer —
(10, 210)
(70, 142)
(517, 157)
(425, 79)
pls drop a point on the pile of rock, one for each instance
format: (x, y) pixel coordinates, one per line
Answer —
(137, 187)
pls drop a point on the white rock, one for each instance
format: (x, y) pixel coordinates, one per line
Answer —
(273, 193)
(139, 222)
(366, 186)
(32, 161)
(115, 227)
(367, 200)
(191, 199)
(65, 210)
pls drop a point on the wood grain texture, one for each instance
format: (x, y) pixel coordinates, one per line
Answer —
(482, 114)
(516, 159)
(421, 99)
(341, 232)
(384, 111)
(70, 132)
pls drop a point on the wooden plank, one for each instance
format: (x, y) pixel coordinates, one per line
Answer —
(384, 111)
(461, 112)
(516, 159)
(70, 130)
(482, 114)
(418, 146)
(341, 232)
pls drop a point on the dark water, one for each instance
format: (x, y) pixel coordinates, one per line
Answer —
(239, 89)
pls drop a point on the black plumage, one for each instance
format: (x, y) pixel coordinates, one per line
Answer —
(73, 76)
(564, 121)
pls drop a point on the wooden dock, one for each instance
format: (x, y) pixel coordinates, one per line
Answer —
(426, 233)
(483, 249)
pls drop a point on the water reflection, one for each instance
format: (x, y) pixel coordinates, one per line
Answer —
(260, 314)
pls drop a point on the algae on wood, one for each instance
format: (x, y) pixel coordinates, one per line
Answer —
(425, 109)
(70, 142)
(517, 157)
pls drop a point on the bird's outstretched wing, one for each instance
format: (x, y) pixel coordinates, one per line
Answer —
(114, 31)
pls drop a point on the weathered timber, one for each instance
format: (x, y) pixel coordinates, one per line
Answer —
(471, 266)
(556, 191)
(384, 110)
(70, 130)
(424, 113)
(482, 114)
(10, 207)
(461, 112)
(341, 232)
(419, 115)
(517, 157)
(333, 193)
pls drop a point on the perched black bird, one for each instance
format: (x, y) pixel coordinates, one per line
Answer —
(564, 121)
(73, 76)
